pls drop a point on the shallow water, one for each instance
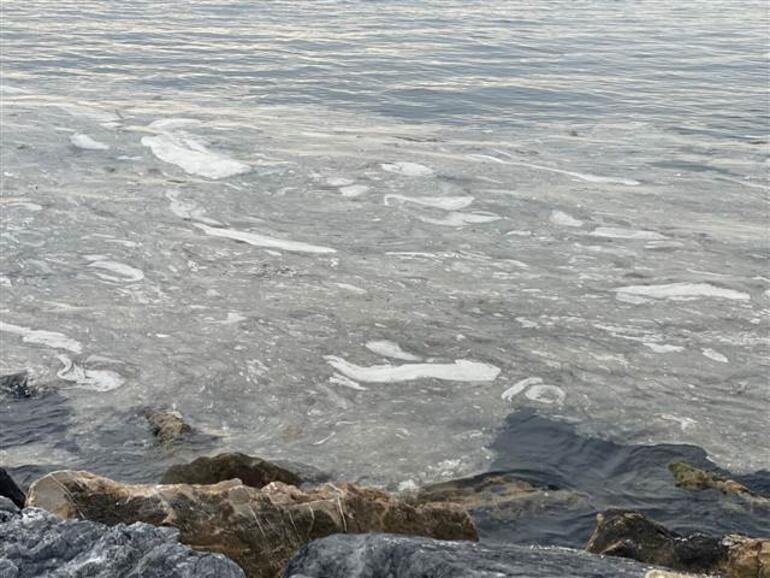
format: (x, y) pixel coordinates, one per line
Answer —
(218, 208)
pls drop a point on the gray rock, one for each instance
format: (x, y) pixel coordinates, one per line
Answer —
(35, 543)
(391, 556)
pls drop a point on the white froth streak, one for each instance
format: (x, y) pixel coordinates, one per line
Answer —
(131, 274)
(263, 241)
(85, 142)
(407, 169)
(620, 233)
(193, 157)
(41, 337)
(564, 219)
(391, 349)
(446, 203)
(682, 291)
(582, 176)
(94, 379)
(457, 219)
(460, 370)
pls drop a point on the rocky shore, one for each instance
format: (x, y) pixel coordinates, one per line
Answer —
(231, 514)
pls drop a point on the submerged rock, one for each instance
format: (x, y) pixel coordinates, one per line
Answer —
(167, 426)
(631, 535)
(259, 529)
(389, 556)
(36, 543)
(499, 497)
(16, 385)
(692, 478)
(9, 489)
(254, 472)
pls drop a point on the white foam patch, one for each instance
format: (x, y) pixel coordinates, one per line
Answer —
(563, 219)
(391, 349)
(193, 157)
(582, 176)
(352, 288)
(339, 182)
(166, 124)
(682, 291)
(457, 219)
(126, 273)
(621, 233)
(94, 379)
(446, 203)
(663, 347)
(264, 241)
(41, 337)
(408, 169)
(527, 323)
(353, 190)
(460, 370)
(85, 142)
(338, 379)
(549, 394)
(715, 355)
(187, 210)
(518, 387)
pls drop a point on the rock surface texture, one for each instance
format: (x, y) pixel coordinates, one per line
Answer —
(692, 478)
(632, 535)
(259, 529)
(35, 543)
(390, 556)
(254, 472)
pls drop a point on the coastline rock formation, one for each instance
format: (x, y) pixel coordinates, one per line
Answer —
(258, 528)
(391, 556)
(253, 472)
(631, 535)
(36, 543)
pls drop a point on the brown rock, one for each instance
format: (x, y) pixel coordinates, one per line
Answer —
(692, 478)
(259, 529)
(747, 557)
(632, 535)
(254, 472)
(167, 426)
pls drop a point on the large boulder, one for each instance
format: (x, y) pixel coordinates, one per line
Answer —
(631, 535)
(390, 556)
(258, 528)
(36, 543)
(254, 472)
(10, 490)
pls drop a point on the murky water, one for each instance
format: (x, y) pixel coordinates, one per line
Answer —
(360, 234)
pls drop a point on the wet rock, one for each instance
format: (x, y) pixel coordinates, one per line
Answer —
(167, 426)
(258, 528)
(747, 557)
(499, 498)
(10, 490)
(254, 472)
(692, 478)
(16, 385)
(390, 556)
(631, 535)
(36, 543)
